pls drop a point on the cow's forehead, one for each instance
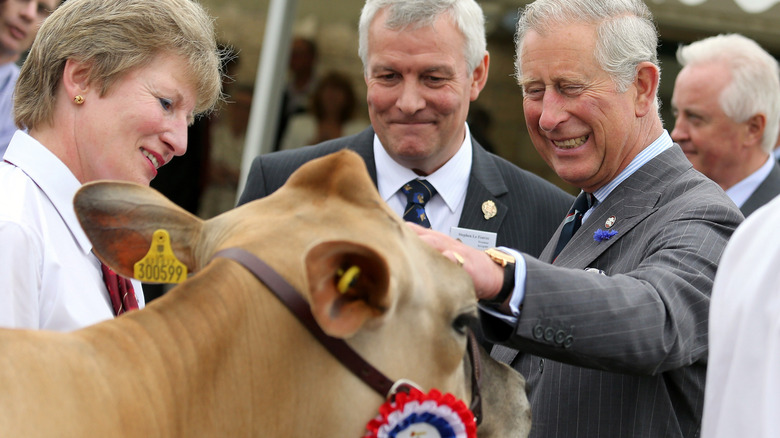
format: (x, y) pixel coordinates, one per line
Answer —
(334, 198)
(284, 226)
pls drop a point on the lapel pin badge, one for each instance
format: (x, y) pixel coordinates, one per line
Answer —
(489, 209)
(610, 221)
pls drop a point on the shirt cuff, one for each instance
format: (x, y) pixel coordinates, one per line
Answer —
(518, 294)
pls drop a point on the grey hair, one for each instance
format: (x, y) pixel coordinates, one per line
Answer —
(755, 79)
(466, 14)
(626, 34)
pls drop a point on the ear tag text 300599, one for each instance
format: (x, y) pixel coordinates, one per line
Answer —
(160, 265)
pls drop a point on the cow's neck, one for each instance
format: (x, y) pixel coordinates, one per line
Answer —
(231, 360)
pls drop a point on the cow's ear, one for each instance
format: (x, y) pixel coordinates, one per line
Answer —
(120, 218)
(348, 285)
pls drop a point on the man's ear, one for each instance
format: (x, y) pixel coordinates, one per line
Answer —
(754, 132)
(646, 83)
(75, 77)
(479, 76)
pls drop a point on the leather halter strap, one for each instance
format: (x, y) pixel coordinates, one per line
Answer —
(299, 307)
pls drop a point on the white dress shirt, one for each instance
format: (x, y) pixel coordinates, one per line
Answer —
(49, 277)
(742, 393)
(451, 182)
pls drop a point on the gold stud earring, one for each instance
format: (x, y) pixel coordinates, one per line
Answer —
(79, 99)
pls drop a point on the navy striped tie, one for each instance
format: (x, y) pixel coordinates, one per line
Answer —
(573, 220)
(418, 192)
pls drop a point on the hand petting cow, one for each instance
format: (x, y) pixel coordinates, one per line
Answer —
(221, 355)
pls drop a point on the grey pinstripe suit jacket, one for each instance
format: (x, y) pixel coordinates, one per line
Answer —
(624, 354)
(765, 192)
(529, 207)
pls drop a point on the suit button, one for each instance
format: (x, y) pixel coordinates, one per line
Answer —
(559, 337)
(568, 341)
(548, 334)
(541, 366)
(538, 331)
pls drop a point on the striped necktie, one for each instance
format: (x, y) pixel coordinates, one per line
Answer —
(573, 220)
(120, 290)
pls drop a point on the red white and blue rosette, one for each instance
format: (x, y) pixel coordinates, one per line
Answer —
(415, 414)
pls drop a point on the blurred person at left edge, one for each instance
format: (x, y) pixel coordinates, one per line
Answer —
(19, 23)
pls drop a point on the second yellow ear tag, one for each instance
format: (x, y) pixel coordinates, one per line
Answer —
(160, 265)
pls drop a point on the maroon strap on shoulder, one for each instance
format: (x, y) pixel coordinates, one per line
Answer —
(301, 309)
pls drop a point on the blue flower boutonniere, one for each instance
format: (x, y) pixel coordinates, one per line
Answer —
(602, 235)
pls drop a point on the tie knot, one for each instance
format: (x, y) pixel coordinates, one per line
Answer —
(583, 203)
(573, 220)
(418, 191)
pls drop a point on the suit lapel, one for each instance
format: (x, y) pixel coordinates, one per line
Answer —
(364, 146)
(629, 204)
(485, 185)
(583, 248)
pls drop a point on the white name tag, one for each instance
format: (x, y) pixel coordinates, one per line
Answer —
(474, 238)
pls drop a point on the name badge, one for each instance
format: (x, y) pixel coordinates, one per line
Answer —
(481, 240)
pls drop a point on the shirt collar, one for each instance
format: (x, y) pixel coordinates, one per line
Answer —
(53, 177)
(451, 180)
(655, 148)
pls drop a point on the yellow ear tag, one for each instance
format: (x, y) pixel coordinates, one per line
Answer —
(347, 278)
(160, 265)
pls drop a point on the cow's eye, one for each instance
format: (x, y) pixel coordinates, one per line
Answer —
(465, 321)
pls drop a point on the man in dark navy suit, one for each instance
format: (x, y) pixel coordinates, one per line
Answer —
(424, 63)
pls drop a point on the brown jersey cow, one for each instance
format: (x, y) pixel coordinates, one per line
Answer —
(220, 356)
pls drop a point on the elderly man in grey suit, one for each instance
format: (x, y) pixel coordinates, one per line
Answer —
(424, 62)
(726, 102)
(609, 324)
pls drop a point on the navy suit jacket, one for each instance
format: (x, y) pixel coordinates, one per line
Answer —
(529, 207)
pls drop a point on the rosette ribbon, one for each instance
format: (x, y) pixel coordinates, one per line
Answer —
(415, 414)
